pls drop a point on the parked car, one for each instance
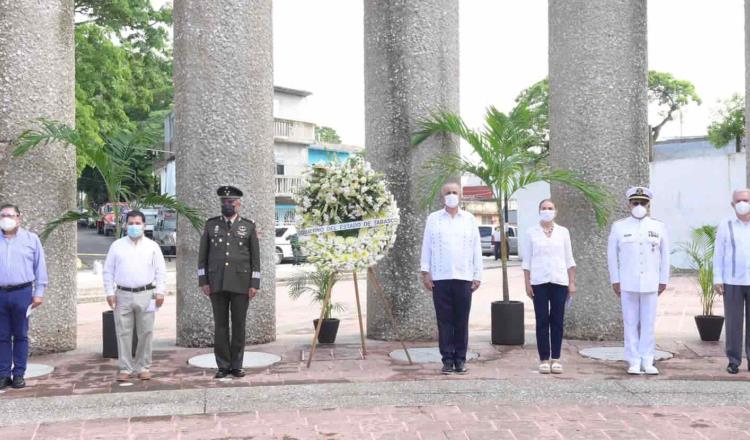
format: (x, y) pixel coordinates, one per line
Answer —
(283, 243)
(485, 233)
(165, 231)
(106, 224)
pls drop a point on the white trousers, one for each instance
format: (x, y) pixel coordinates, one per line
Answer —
(638, 316)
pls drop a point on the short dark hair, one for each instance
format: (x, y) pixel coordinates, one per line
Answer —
(542, 203)
(9, 205)
(135, 213)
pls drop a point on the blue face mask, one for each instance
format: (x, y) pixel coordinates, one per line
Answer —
(135, 231)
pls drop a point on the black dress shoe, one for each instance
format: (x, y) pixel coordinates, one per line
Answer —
(733, 369)
(18, 382)
(460, 367)
(221, 374)
(238, 372)
(447, 368)
(5, 382)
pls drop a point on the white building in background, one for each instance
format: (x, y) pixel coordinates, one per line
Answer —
(692, 183)
(295, 147)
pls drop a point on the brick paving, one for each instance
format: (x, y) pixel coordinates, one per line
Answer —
(84, 372)
(421, 422)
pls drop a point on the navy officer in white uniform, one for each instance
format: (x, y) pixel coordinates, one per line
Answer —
(638, 257)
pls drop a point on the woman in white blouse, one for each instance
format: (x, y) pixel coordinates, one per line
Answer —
(550, 272)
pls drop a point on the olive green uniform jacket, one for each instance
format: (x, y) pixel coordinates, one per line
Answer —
(229, 259)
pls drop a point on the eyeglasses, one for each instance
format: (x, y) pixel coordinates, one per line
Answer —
(8, 215)
(639, 202)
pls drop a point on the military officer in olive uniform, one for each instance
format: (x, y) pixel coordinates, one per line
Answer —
(638, 257)
(229, 274)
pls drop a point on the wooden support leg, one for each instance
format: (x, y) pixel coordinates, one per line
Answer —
(326, 301)
(389, 309)
(359, 315)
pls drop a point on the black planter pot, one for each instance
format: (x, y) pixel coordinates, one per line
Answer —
(507, 323)
(709, 327)
(109, 336)
(328, 330)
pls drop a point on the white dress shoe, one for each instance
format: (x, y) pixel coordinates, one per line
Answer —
(635, 369)
(650, 369)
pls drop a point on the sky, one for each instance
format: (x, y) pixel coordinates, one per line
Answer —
(318, 46)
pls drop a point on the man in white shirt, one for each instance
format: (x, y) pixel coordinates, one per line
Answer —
(452, 269)
(732, 276)
(134, 282)
(638, 257)
(497, 239)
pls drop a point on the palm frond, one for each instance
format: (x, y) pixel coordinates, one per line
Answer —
(49, 131)
(66, 217)
(700, 252)
(193, 215)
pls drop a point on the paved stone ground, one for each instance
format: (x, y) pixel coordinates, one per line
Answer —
(473, 422)
(346, 396)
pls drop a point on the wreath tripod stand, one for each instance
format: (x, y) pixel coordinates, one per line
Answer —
(386, 303)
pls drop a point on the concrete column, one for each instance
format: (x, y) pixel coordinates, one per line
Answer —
(411, 70)
(598, 127)
(747, 89)
(37, 77)
(223, 85)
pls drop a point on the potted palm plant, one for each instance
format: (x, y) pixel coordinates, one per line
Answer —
(700, 251)
(316, 284)
(506, 160)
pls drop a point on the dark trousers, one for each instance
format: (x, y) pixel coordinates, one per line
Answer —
(549, 309)
(14, 330)
(452, 300)
(229, 349)
(736, 314)
(496, 245)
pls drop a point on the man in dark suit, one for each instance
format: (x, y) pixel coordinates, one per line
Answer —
(229, 274)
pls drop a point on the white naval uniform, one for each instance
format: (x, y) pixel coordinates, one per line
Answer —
(638, 257)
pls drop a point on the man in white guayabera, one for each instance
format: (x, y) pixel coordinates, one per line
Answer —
(732, 276)
(638, 257)
(452, 269)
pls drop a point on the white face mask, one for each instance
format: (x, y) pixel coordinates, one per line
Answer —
(639, 211)
(7, 224)
(742, 208)
(547, 215)
(451, 200)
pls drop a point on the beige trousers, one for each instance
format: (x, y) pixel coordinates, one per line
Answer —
(130, 310)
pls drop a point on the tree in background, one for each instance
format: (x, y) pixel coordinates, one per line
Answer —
(113, 163)
(670, 95)
(535, 99)
(123, 74)
(730, 124)
(327, 134)
(667, 92)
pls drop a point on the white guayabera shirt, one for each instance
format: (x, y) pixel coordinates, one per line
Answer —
(134, 265)
(451, 247)
(547, 258)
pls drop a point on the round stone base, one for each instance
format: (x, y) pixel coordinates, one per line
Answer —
(617, 354)
(37, 370)
(251, 359)
(425, 355)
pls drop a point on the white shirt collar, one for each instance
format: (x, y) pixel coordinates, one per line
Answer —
(460, 212)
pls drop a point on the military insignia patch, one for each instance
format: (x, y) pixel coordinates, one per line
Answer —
(242, 231)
